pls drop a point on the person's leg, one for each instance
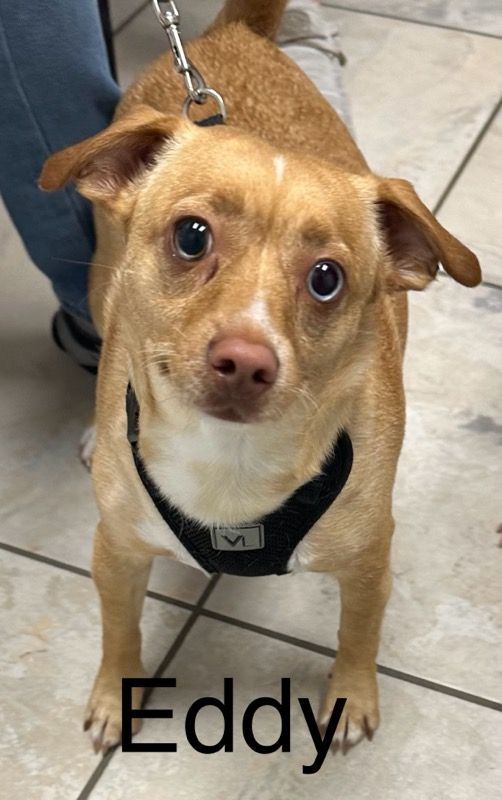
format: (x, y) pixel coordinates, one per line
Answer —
(307, 38)
(56, 89)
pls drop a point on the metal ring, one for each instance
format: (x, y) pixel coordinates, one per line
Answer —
(206, 93)
(166, 18)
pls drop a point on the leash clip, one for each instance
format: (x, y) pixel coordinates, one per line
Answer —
(197, 89)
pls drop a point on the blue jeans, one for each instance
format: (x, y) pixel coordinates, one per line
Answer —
(56, 89)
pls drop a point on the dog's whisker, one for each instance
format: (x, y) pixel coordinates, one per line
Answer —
(85, 263)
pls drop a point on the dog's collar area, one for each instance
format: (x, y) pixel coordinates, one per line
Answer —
(208, 122)
(260, 547)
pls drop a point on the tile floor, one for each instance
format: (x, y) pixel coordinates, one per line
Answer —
(425, 80)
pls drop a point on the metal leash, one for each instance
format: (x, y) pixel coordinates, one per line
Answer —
(197, 89)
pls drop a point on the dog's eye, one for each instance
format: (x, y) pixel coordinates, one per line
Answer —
(192, 238)
(325, 280)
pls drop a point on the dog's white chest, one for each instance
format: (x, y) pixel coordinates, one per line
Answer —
(218, 473)
(219, 478)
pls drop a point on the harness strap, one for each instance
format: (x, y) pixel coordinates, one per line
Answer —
(216, 119)
(260, 547)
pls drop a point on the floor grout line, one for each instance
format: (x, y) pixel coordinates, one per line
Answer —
(452, 183)
(443, 276)
(197, 609)
(196, 613)
(85, 573)
(52, 562)
(93, 780)
(96, 775)
(167, 598)
(424, 23)
(492, 285)
(122, 25)
(467, 157)
(331, 652)
(391, 672)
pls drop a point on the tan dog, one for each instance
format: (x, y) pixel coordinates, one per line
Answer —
(248, 283)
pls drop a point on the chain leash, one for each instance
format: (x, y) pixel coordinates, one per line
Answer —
(197, 89)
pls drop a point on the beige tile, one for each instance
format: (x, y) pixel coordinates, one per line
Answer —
(46, 402)
(484, 16)
(120, 10)
(444, 619)
(140, 42)
(26, 297)
(474, 208)
(177, 580)
(429, 745)
(419, 95)
(50, 652)
(398, 76)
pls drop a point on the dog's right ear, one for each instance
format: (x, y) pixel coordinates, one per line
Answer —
(415, 241)
(105, 165)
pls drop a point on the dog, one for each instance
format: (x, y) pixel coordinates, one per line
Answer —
(249, 284)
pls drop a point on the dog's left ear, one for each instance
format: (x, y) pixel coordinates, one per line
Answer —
(415, 241)
(107, 166)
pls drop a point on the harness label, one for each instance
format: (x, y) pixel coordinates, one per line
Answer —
(239, 537)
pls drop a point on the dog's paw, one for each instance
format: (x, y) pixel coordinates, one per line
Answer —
(103, 716)
(87, 446)
(360, 716)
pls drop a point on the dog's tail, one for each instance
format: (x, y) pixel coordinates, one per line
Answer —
(262, 16)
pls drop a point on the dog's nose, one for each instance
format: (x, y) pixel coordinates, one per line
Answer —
(246, 368)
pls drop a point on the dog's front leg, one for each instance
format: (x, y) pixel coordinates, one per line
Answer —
(121, 576)
(364, 593)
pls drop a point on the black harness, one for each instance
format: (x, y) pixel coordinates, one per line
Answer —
(261, 547)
